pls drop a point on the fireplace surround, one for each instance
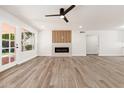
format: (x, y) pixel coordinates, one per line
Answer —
(61, 49)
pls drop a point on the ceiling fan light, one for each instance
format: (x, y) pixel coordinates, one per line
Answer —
(61, 16)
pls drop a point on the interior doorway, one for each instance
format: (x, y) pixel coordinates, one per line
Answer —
(92, 44)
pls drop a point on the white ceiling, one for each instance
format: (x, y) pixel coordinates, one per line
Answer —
(89, 16)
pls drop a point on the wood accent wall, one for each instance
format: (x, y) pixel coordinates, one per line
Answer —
(62, 36)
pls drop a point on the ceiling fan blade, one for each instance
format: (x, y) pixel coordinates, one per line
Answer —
(52, 15)
(69, 9)
(66, 19)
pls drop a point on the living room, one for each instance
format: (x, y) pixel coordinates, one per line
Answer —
(61, 46)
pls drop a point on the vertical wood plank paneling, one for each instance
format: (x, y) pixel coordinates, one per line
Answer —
(70, 36)
(68, 33)
(61, 36)
(53, 37)
(67, 36)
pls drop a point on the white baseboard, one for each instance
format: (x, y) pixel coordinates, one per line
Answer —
(26, 60)
(79, 55)
(7, 66)
(110, 52)
(110, 55)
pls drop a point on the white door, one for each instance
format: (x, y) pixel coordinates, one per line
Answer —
(92, 44)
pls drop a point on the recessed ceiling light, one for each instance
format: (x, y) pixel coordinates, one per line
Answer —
(80, 27)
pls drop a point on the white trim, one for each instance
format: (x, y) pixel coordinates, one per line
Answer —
(7, 66)
(26, 60)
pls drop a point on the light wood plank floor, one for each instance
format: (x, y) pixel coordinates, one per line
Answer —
(66, 72)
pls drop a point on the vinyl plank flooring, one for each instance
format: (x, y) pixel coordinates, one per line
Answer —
(91, 71)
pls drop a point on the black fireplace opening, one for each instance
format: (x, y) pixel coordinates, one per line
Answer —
(61, 49)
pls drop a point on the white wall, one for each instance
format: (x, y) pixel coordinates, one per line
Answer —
(110, 43)
(45, 43)
(12, 20)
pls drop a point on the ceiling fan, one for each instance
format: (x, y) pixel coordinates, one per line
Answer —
(62, 13)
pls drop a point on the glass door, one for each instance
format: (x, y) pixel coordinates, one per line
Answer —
(8, 44)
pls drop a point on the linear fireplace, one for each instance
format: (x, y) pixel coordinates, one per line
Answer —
(61, 49)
